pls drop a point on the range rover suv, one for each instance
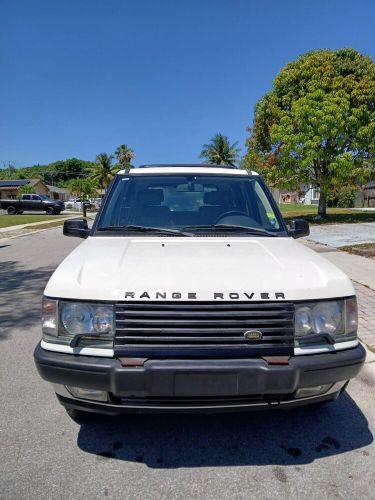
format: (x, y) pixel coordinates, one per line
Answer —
(190, 293)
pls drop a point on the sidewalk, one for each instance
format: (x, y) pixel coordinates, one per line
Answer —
(361, 270)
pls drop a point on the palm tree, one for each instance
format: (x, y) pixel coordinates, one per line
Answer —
(102, 170)
(124, 156)
(82, 188)
(219, 151)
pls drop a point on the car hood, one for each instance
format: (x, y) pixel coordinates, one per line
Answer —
(239, 268)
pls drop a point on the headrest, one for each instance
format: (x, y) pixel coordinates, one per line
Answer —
(150, 196)
(217, 198)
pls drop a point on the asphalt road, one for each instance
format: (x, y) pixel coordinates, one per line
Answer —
(305, 453)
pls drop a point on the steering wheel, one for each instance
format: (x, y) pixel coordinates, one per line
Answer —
(229, 213)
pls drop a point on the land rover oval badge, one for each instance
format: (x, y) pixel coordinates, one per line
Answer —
(253, 335)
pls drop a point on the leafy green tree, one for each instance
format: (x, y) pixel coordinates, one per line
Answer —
(124, 156)
(102, 171)
(54, 173)
(8, 171)
(64, 170)
(317, 124)
(219, 151)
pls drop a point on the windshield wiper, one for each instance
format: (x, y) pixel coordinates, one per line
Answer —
(145, 229)
(232, 228)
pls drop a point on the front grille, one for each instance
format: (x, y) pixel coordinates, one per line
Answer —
(203, 329)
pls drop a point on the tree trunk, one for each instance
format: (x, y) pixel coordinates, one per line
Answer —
(322, 208)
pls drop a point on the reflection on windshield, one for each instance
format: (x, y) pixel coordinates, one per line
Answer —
(175, 202)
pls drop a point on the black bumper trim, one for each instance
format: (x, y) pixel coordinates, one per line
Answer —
(198, 378)
(113, 409)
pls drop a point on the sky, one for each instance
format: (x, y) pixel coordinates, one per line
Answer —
(80, 77)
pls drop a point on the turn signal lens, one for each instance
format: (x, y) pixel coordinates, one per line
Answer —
(351, 315)
(49, 316)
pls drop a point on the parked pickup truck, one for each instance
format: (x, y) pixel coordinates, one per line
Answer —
(190, 293)
(32, 203)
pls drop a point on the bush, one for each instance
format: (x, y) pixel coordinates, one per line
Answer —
(343, 199)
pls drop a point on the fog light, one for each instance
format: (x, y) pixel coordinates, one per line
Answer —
(306, 392)
(91, 394)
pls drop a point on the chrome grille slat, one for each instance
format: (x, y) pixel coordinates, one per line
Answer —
(203, 328)
(168, 338)
(213, 322)
(196, 331)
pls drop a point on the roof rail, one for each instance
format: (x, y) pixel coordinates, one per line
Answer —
(187, 165)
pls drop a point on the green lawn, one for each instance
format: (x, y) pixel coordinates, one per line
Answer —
(15, 220)
(308, 212)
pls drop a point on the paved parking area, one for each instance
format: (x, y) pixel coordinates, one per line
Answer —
(339, 235)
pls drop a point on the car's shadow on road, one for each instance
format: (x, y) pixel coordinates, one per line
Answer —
(295, 437)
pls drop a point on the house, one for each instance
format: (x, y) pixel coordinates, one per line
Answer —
(310, 196)
(9, 189)
(369, 194)
(287, 195)
(57, 193)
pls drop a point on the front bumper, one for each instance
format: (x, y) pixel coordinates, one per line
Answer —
(190, 385)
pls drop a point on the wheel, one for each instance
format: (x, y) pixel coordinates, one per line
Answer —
(57, 212)
(11, 210)
(20, 212)
(50, 210)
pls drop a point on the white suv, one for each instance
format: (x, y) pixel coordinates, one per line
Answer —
(190, 293)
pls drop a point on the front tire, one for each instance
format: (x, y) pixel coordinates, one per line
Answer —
(50, 210)
(11, 210)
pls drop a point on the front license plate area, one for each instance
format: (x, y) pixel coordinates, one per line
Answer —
(205, 384)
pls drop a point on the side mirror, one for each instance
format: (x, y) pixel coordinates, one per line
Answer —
(76, 227)
(299, 228)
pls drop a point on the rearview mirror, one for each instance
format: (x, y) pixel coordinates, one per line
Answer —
(76, 227)
(299, 228)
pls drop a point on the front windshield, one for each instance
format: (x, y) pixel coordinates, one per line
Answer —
(193, 203)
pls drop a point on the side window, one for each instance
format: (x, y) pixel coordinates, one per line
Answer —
(26, 197)
(35, 197)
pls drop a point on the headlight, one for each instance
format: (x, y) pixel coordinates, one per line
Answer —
(63, 320)
(86, 318)
(338, 318)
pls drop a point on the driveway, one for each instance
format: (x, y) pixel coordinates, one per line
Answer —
(308, 453)
(339, 235)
